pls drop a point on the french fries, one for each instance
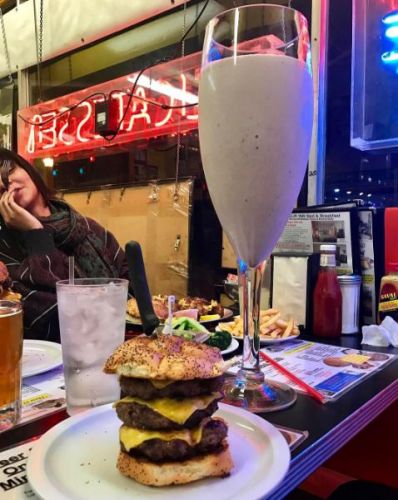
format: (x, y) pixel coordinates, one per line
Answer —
(272, 326)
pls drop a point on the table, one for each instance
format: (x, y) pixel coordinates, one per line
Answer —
(330, 426)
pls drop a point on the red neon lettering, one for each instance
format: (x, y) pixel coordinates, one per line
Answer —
(120, 97)
(31, 140)
(75, 130)
(143, 114)
(100, 99)
(184, 90)
(86, 118)
(61, 137)
(169, 111)
(52, 129)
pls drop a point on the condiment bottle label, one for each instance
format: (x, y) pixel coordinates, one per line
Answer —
(388, 303)
(391, 305)
(328, 260)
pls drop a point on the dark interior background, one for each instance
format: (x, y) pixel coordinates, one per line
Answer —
(350, 173)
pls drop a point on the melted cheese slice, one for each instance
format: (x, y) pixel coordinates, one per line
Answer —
(132, 437)
(176, 410)
(161, 384)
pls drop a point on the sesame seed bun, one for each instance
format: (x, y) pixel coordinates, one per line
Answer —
(153, 474)
(166, 357)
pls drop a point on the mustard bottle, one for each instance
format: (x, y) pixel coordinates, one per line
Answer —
(388, 299)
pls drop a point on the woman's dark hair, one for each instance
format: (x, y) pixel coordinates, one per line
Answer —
(10, 160)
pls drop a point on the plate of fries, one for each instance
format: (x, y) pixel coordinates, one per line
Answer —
(273, 327)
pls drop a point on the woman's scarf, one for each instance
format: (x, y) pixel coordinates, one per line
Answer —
(72, 235)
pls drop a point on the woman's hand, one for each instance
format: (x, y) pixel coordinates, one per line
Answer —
(15, 216)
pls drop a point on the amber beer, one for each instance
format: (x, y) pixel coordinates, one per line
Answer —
(11, 338)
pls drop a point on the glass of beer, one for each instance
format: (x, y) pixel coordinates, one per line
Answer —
(11, 339)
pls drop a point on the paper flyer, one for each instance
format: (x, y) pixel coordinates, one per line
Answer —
(13, 479)
(305, 232)
(366, 247)
(42, 394)
(332, 370)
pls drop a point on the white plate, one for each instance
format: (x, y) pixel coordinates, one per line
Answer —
(264, 341)
(76, 459)
(231, 348)
(40, 356)
(277, 340)
(227, 314)
(270, 340)
(131, 320)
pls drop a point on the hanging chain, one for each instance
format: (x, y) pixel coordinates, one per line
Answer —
(178, 152)
(7, 54)
(41, 28)
(39, 45)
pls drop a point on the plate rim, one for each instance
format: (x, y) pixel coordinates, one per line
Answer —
(232, 346)
(266, 341)
(44, 343)
(225, 317)
(41, 447)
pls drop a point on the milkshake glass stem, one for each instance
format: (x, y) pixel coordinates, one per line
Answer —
(249, 389)
(250, 279)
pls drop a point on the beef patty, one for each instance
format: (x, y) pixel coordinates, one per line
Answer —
(213, 433)
(143, 417)
(143, 388)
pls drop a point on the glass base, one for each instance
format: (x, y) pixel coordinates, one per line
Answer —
(258, 396)
(9, 415)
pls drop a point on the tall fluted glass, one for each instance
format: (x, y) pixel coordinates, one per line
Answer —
(255, 125)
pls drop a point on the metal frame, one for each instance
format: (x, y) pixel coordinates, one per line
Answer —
(23, 90)
(319, 42)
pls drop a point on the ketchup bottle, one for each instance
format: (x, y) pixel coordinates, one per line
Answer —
(327, 296)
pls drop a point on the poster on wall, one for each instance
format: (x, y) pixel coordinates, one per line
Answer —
(305, 232)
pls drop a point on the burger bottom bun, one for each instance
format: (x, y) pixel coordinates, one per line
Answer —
(152, 474)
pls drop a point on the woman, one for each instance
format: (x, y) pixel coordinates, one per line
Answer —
(37, 235)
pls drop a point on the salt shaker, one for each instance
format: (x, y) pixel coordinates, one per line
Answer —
(350, 289)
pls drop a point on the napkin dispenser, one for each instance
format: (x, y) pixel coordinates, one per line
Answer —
(292, 284)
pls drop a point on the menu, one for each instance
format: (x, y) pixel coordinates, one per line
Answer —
(305, 232)
(332, 370)
(43, 394)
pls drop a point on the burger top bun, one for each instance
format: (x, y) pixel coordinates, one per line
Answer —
(165, 357)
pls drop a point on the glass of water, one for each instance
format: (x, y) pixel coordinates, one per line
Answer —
(92, 315)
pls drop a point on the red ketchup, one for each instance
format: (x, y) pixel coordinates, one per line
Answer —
(327, 296)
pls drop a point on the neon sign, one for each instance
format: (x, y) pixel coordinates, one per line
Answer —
(51, 133)
(390, 22)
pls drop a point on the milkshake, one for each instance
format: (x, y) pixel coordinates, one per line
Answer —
(255, 123)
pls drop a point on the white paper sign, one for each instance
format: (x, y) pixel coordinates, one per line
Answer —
(305, 232)
(13, 479)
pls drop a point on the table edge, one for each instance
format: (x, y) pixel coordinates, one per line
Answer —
(318, 452)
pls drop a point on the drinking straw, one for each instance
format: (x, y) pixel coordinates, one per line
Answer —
(71, 261)
(310, 390)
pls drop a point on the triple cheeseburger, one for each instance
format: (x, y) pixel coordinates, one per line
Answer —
(170, 388)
